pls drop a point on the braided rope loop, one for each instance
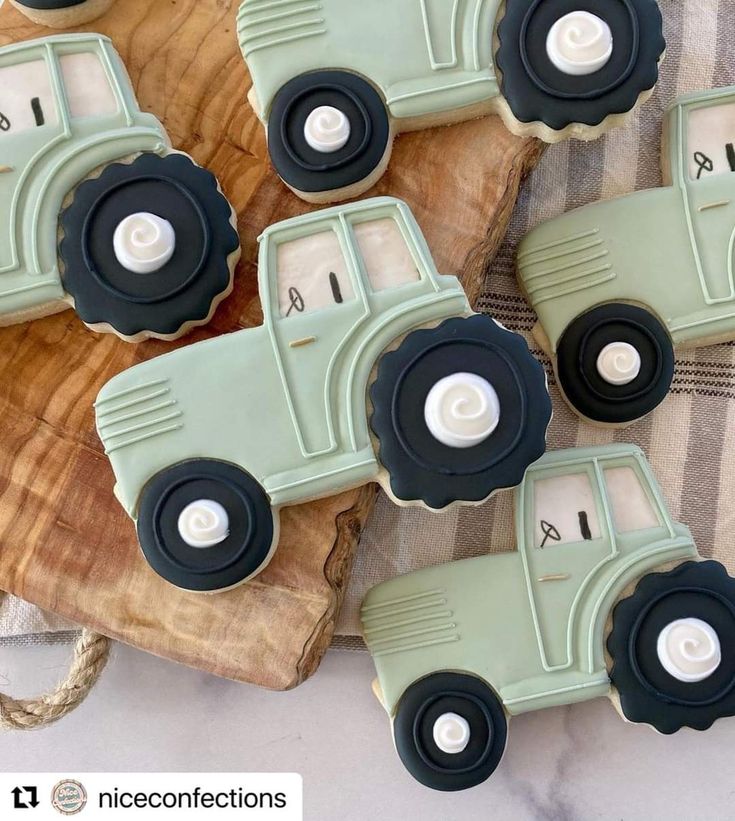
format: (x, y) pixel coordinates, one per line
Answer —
(91, 654)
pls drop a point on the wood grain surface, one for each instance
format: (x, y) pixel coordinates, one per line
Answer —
(65, 543)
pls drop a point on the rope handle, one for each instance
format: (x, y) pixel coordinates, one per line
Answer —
(91, 653)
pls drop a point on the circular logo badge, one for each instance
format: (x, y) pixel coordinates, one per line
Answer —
(69, 797)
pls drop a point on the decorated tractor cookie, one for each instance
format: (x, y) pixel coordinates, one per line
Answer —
(62, 14)
(208, 442)
(462, 647)
(618, 284)
(335, 80)
(96, 210)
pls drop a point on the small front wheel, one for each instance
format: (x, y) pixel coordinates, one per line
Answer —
(206, 526)
(565, 63)
(450, 731)
(148, 247)
(615, 363)
(460, 411)
(673, 648)
(329, 131)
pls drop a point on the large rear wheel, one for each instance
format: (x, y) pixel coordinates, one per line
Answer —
(460, 411)
(565, 62)
(148, 247)
(673, 648)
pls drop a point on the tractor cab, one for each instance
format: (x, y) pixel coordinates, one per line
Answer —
(328, 282)
(579, 517)
(342, 255)
(63, 102)
(701, 162)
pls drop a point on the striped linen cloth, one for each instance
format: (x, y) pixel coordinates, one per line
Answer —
(690, 439)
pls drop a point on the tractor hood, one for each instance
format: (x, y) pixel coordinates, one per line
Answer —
(601, 253)
(220, 399)
(471, 616)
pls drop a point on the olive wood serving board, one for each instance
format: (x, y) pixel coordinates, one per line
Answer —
(65, 543)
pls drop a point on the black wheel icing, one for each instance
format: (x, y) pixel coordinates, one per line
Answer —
(580, 346)
(183, 290)
(421, 468)
(308, 170)
(240, 555)
(536, 90)
(648, 693)
(417, 712)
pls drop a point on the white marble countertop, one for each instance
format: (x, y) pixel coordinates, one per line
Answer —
(580, 762)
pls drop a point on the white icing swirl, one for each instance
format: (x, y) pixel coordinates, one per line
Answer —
(451, 733)
(204, 523)
(462, 410)
(580, 43)
(689, 649)
(327, 129)
(619, 363)
(144, 243)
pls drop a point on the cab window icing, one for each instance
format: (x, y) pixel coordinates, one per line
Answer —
(312, 274)
(711, 141)
(387, 259)
(26, 97)
(565, 511)
(631, 507)
(87, 87)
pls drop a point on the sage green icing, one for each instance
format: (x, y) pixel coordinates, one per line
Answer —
(670, 250)
(449, 67)
(294, 417)
(536, 643)
(47, 162)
